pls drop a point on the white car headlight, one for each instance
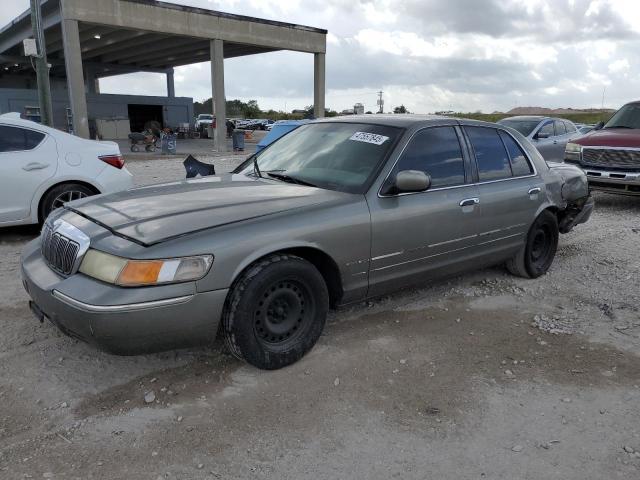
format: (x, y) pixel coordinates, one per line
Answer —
(135, 273)
(573, 148)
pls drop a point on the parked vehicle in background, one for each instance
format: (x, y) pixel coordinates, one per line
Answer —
(583, 129)
(41, 168)
(203, 121)
(610, 155)
(277, 130)
(334, 212)
(549, 135)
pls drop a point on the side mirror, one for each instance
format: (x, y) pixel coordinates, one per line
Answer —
(542, 135)
(412, 181)
(599, 126)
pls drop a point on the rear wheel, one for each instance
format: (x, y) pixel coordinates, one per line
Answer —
(61, 194)
(276, 311)
(536, 256)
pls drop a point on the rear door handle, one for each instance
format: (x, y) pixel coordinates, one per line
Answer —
(35, 166)
(468, 202)
(535, 191)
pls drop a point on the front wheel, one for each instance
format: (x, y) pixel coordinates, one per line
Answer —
(536, 256)
(276, 311)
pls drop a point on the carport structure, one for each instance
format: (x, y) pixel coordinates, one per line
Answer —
(87, 40)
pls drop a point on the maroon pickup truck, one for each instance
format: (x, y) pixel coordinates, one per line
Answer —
(610, 155)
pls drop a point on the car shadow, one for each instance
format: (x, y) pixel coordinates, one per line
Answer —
(19, 234)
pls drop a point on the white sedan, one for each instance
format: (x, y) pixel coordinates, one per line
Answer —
(42, 168)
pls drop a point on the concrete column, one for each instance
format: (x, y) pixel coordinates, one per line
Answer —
(219, 101)
(318, 84)
(171, 86)
(75, 77)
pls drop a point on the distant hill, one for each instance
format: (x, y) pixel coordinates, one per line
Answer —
(556, 111)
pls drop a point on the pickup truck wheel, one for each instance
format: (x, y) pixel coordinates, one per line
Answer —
(535, 258)
(276, 311)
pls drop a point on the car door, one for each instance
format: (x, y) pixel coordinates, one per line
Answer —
(560, 141)
(509, 190)
(27, 159)
(544, 140)
(417, 234)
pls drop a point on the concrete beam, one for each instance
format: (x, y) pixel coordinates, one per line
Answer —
(199, 23)
(110, 42)
(319, 84)
(217, 90)
(177, 49)
(25, 31)
(75, 77)
(171, 86)
(85, 36)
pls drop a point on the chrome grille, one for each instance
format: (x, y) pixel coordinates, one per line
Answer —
(610, 157)
(59, 251)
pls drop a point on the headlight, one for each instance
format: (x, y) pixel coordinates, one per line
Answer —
(135, 273)
(573, 148)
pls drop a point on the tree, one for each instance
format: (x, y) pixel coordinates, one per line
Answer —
(400, 109)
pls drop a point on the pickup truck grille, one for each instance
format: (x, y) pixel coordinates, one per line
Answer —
(59, 251)
(611, 158)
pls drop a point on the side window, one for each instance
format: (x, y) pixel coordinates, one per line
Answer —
(560, 128)
(435, 151)
(570, 127)
(491, 156)
(520, 166)
(14, 139)
(548, 129)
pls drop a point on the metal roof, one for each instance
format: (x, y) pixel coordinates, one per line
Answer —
(110, 49)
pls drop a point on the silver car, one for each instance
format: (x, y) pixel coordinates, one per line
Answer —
(334, 212)
(549, 135)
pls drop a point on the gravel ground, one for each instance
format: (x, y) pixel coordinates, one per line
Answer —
(480, 376)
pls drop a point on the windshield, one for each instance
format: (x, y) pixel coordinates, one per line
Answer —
(205, 117)
(525, 127)
(335, 156)
(627, 117)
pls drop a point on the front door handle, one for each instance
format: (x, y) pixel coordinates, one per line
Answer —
(468, 202)
(535, 191)
(34, 166)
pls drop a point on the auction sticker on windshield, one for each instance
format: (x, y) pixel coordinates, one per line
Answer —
(369, 138)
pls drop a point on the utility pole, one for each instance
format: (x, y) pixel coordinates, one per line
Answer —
(380, 102)
(42, 66)
(603, 92)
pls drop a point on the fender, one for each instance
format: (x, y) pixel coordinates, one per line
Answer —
(57, 180)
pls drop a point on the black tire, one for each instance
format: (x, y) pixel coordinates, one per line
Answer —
(536, 256)
(61, 194)
(275, 312)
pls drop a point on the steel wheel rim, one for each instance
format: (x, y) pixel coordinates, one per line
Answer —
(283, 312)
(541, 246)
(67, 196)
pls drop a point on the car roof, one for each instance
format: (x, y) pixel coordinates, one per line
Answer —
(530, 118)
(404, 120)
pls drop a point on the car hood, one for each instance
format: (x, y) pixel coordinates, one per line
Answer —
(153, 214)
(611, 137)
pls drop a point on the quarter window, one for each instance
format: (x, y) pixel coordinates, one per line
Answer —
(435, 151)
(14, 139)
(491, 156)
(520, 166)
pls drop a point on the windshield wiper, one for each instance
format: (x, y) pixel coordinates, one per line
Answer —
(256, 168)
(619, 126)
(290, 179)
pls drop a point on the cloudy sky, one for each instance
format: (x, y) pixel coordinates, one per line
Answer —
(429, 55)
